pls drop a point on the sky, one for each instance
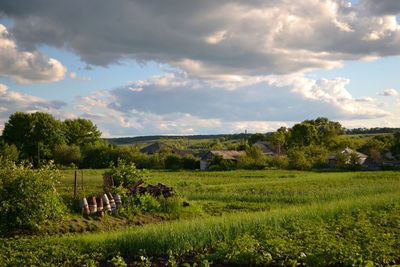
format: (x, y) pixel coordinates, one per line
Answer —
(178, 67)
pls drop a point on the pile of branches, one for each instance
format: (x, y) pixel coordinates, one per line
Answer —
(155, 190)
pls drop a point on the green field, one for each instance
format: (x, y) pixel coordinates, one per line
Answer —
(245, 218)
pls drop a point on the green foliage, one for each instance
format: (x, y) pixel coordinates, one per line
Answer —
(8, 152)
(28, 197)
(81, 132)
(279, 139)
(253, 160)
(303, 134)
(243, 250)
(147, 203)
(288, 218)
(278, 161)
(66, 155)
(298, 160)
(34, 134)
(218, 163)
(254, 138)
(124, 174)
(118, 261)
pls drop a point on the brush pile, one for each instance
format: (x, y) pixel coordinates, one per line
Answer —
(154, 190)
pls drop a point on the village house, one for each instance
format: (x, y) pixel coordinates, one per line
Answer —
(225, 154)
(266, 148)
(332, 159)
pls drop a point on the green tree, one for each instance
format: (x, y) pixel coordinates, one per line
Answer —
(303, 134)
(17, 131)
(34, 135)
(279, 138)
(81, 132)
(254, 138)
(67, 155)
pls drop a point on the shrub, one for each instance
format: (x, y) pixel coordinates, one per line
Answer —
(125, 175)
(147, 203)
(28, 197)
(298, 160)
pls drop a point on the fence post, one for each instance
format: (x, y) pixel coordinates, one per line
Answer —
(75, 185)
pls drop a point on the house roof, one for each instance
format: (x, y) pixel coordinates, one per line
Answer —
(349, 151)
(265, 147)
(225, 154)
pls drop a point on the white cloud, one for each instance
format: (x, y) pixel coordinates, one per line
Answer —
(389, 92)
(26, 67)
(13, 101)
(75, 76)
(177, 104)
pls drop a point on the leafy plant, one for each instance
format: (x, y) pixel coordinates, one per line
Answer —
(124, 174)
(28, 197)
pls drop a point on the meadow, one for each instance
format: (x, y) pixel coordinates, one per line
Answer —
(268, 217)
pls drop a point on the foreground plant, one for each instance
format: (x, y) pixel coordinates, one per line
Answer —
(28, 198)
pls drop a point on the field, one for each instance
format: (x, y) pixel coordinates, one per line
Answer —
(243, 218)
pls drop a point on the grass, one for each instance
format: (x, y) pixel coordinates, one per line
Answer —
(257, 217)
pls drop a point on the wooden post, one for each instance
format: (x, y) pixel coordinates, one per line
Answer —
(82, 179)
(75, 185)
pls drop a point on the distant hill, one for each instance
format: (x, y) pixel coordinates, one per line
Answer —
(140, 140)
(376, 130)
(153, 138)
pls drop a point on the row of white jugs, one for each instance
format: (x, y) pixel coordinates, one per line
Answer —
(107, 202)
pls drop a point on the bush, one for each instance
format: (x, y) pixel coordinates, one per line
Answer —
(280, 162)
(147, 203)
(28, 197)
(125, 175)
(298, 160)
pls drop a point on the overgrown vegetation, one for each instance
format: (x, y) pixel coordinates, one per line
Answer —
(28, 198)
(76, 143)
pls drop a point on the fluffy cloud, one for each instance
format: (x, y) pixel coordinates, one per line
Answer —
(215, 40)
(389, 92)
(26, 67)
(12, 101)
(176, 104)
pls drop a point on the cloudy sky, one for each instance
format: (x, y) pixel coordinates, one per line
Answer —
(139, 67)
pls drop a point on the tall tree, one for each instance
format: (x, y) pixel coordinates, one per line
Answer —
(327, 130)
(279, 138)
(35, 135)
(303, 134)
(81, 132)
(17, 131)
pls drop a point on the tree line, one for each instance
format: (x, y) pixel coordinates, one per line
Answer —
(39, 137)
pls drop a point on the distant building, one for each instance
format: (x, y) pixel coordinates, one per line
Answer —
(160, 146)
(225, 154)
(266, 148)
(332, 159)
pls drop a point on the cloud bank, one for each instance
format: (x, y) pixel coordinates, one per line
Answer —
(218, 40)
